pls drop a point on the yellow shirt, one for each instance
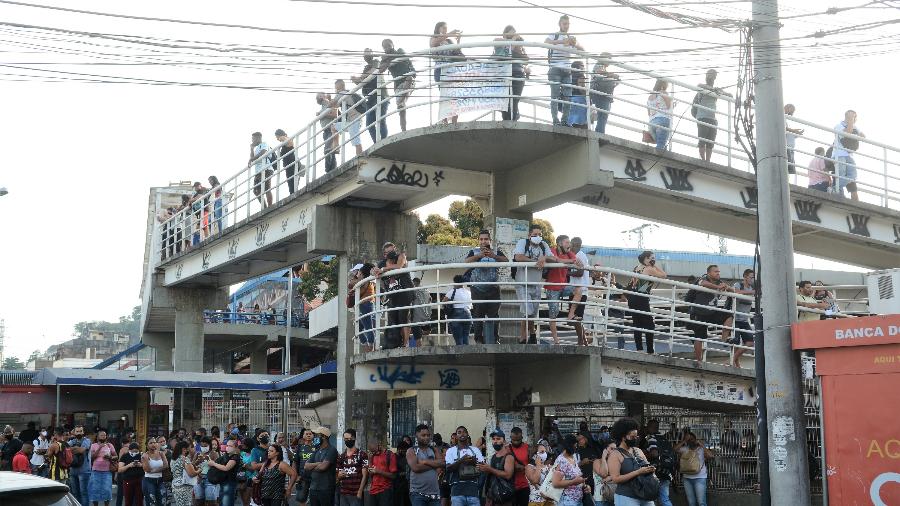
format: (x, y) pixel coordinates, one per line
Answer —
(805, 316)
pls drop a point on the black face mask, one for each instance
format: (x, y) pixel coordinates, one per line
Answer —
(264, 440)
(393, 255)
(349, 443)
(631, 443)
(497, 447)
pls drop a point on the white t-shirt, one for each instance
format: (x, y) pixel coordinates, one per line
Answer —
(560, 58)
(533, 252)
(39, 444)
(260, 162)
(700, 453)
(461, 297)
(657, 107)
(585, 278)
(454, 453)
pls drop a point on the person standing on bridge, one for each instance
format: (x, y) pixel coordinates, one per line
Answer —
(706, 312)
(560, 72)
(399, 288)
(520, 70)
(743, 331)
(485, 293)
(397, 63)
(704, 110)
(842, 152)
(790, 138)
(639, 300)
(288, 155)
(327, 117)
(446, 56)
(528, 280)
(374, 90)
(659, 108)
(603, 83)
(351, 107)
(261, 168)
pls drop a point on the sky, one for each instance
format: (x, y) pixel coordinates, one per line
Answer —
(90, 123)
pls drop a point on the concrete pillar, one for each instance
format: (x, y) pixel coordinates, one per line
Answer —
(259, 359)
(498, 206)
(162, 344)
(189, 305)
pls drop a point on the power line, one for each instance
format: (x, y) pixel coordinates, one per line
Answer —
(483, 6)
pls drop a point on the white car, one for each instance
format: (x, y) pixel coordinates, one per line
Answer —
(17, 489)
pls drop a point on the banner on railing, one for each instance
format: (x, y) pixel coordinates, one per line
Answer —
(474, 86)
(421, 377)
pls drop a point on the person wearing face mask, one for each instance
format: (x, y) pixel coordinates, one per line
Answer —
(80, 470)
(627, 463)
(499, 487)
(103, 453)
(230, 467)
(258, 457)
(639, 301)
(536, 472)
(11, 446)
(463, 475)
(41, 445)
(532, 249)
(321, 467)
(520, 452)
(692, 461)
(153, 462)
(305, 451)
(205, 493)
(181, 466)
(352, 471)
(567, 474)
(130, 475)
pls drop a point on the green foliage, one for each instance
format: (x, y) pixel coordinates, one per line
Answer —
(546, 231)
(12, 363)
(128, 324)
(468, 217)
(314, 275)
(451, 239)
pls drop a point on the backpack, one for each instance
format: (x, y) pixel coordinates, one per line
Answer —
(271, 160)
(695, 105)
(829, 159)
(513, 270)
(667, 463)
(77, 459)
(215, 475)
(356, 98)
(689, 462)
(850, 144)
(65, 455)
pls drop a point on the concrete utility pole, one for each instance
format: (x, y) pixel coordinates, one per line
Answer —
(788, 473)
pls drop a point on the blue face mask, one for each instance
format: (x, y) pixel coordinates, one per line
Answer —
(317, 441)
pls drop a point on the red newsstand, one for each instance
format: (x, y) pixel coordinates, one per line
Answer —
(858, 360)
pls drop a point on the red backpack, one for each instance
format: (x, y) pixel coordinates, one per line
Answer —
(65, 455)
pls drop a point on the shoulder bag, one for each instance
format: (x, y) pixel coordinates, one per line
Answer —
(644, 486)
(547, 489)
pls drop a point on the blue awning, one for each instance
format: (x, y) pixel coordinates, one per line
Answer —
(317, 378)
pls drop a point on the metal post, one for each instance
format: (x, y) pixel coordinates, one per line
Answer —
(672, 321)
(56, 422)
(885, 175)
(762, 428)
(788, 466)
(437, 284)
(285, 400)
(824, 461)
(606, 308)
(181, 410)
(730, 132)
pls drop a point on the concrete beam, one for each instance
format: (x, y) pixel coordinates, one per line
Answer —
(163, 343)
(359, 233)
(567, 175)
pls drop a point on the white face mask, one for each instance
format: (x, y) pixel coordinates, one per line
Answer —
(536, 240)
(133, 454)
(542, 456)
(44, 434)
(204, 450)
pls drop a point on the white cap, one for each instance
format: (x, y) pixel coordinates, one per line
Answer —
(356, 267)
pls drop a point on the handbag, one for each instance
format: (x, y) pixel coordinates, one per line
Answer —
(501, 490)
(587, 500)
(547, 489)
(187, 479)
(644, 486)
(648, 138)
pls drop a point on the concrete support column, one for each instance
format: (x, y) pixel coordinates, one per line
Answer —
(259, 359)
(188, 338)
(162, 344)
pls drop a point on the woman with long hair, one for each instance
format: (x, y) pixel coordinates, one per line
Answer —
(659, 109)
(271, 478)
(567, 475)
(639, 300)
(443, 57)
(182, 492)
(153, 462)
(216, 187)
(627, 463)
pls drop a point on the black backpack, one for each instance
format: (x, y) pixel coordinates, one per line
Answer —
(667, 461)
(829, 160)
(356, 98)
(215, 475)
(77, 459)
(513, 270)
(695, 105)
(850, 144)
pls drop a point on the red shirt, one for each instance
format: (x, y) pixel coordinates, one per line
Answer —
(385, 461)
(21, 464)
(521, 455)
(559, 274)
(352, 466)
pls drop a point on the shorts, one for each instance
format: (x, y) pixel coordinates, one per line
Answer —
(402, 89)
(742, 337)
(353, 128)
(554, 297)
(822, 187)
(206, 491)
(399, 316)
(711, 317)
(258, 181)
(706, 131)
(532, 294)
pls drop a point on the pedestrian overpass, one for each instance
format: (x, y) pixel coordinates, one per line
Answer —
(512, 169)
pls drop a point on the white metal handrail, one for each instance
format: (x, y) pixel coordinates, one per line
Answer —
(311, 152)
(666, 305)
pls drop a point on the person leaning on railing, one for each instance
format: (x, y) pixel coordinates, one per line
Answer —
(399, 295)
(520, 70)
(639, 300)
(366, 307)
(460, 299)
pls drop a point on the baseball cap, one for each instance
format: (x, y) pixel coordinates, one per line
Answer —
(356, 267)
(325, 431)
(498, 432)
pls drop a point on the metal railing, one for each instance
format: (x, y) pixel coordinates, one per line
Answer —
(610, 311)
(480, 86)
(17, 377)
(256, 318)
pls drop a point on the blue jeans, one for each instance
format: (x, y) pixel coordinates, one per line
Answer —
(217, 214)
(621, 500)
(560, 81)
(664, 493)
(602, 104)
(695, 490)
(366, 323)
(460, 330)
(421, 500)
(152, 487)
(79, 483)
(228, 493)
(464, 500)
(659, 129)
(372, 116)
(846, 172)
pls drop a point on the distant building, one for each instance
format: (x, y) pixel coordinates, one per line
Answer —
(84, 351)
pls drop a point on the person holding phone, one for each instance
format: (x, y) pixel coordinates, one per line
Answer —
(639, 300)
(627, 463)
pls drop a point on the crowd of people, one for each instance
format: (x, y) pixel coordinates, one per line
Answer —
(472, 304)
(206, 468)
(203, 217)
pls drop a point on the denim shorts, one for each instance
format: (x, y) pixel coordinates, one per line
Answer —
(846, 171)
(205, 490)
(554, 297)
(353, 128)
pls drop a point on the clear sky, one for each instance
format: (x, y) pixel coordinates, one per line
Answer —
(91, 123)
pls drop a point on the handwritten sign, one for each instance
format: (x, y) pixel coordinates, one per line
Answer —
(474, 86)
(421, 377)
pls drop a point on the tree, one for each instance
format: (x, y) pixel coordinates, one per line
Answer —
(314, 275)
(468, 217)
(438, 230)
(12, 363)
(546, 231)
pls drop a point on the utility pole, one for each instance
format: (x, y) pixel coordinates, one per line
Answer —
(286, 366)
(640, 233)
(788, 473)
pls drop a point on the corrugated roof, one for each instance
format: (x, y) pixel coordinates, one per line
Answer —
(685, 256)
